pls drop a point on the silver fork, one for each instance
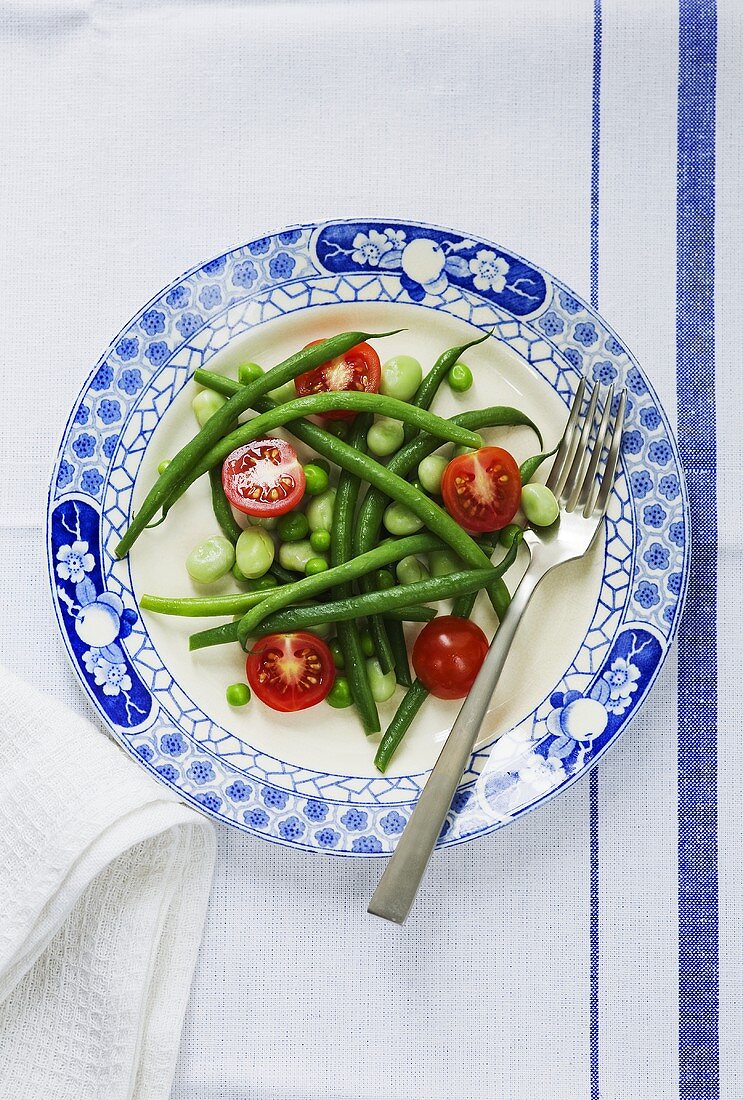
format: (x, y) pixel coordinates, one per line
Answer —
(581, 478)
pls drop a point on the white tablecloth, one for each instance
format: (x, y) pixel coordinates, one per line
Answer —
(574, 954)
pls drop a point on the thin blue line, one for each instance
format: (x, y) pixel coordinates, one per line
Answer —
(593, 789)
(697, 676)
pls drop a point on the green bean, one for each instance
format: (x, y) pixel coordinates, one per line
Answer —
(414, 699)
(420, 614)
(234, 603)
(399, 648)
(283, 576)
(528, 468)
(231, 529)
(508, 534)
(430, 385)
(220, 422)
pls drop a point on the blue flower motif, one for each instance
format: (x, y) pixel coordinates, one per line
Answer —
(167, 771)
(327, 838)
(84, 445)
(257, 818)
(209, 801)
(460, 800)
(104, 376)
(656, 556)
(654, 515)
(316, 810)
(64, 474)
(585, 333)
(145, 752)
(551, 324)
(82, 415)
(109, 445)
(669, 613)
(573, 357)
(676, 532)
(200, 771)
(604, 372)
(91, 482)
(109, 411)
(189, 324)
(669, 486)
(674, 583)
(276, 799)
(647, 594)
(258, 248)
(127, 348)
(210, 296)
(157, 353)
(130, 381)
(641, 483)
(614, 347)
(393, 822)
(152, 322)
(281, 265)
(568, 302)
(291, 829)
(214, 266)
(366, 844)
(650, 418)
(238, 791)
(636, 382)
(660, 452)
(290, 236)
(632, 442)
(178, 297)
(244, 274)
(172, 743)
(355, 819)
(445, 828)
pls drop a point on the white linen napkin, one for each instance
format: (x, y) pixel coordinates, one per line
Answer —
(104, 881)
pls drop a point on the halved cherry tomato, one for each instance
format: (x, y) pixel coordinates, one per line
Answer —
(359, 369)
(482, 490)
(263, 478)
(448, 654)
(290, 671)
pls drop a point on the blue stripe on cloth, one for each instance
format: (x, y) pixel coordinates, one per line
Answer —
(697, 675)
(593, 789)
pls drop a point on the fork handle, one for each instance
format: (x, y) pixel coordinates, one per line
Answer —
(399, 884)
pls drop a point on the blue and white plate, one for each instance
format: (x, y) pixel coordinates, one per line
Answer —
(595, 637)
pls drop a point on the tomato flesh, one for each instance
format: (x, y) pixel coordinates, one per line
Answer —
(358, 369)
(482, 490)
(263, 478)
(448, 654)
(290, 672)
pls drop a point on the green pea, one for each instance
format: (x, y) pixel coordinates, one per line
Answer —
(382, 684)
(335, 648)
(399, 520)
(284, 393)
(316, 479)
(410, 570)
(210, 560)
(339, 695)
(293, 527)
(315, 565)
(459, 378)
(268, 523)
(162, 467)
(320, 541)
(238, 695)
(430, 472)
(205, 404)
(248, 372)
(261, 584)
(508, 534)
(367, 642)
(539, 504)
(319, 511)
(255, 552)
(401, 377)
(385, 437)
(443, 562)
(295, 555)
(383, 579)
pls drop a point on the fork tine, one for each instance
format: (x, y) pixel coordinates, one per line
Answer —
(567, 438)
(607, 480)
(567, 483)
(585, 483)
